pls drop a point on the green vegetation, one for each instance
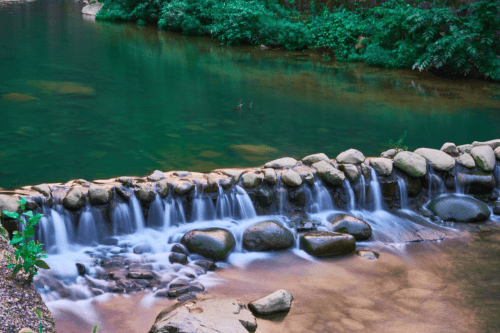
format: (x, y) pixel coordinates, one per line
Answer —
(28, 253)
(399, 145)
(444, 40)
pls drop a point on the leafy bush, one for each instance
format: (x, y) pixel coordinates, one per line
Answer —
(399, 145)
(28, 253)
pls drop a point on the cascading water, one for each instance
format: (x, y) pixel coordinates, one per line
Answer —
(496, 172)
(122, 220)
(362, 191)
(434, 182)
(242, 205)
(174, 212)
(137, 213)
(348, 189)
(87, 228)
(403, 193)
(223, 208)
(55, 231)
(318, 199)
(375, 191)
(281, 195)
(156, 213)
(202, 207)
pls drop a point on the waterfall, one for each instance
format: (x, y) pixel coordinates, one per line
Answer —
(202, 208)
(459, 189)
(496, 173)
(348, 190)
(174, 212)
(55, 231)
(433, 178)
(318, 199)
(223, 207)
(375, 191)
(122, 220)
(87, 228)
(362, 192)
(403, 193)
(281, 194)
(137, 213)
(156, 213)
(242, 204)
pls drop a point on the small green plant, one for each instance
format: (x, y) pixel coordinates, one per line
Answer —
(399, 145)
(28, 253)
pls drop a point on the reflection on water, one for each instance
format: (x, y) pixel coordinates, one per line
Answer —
(105, 100)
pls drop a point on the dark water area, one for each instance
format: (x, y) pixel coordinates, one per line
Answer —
(101, 100)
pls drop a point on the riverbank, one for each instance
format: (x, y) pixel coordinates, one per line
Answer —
(461, 43)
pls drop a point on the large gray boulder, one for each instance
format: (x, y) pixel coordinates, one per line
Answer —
(383, 166)
(206, 316)
(75, 199)
(43, 189)
(484, 157)
(291, 178)
(251, 180)
(145, 192)
(279, 301)
(351, 156)
(465, 149)
(9, 203)
(163, 187)
(311, 159)
(267, 236)
(411, 163)
(437, 158)
(270, 176)
(467, 161)
(351, 171)
(99, 195)
(326, 243)
(213, 243)
(450, 148)
(281, 163)
(351, 225)
(184, 187)
(459, 209)
(328, 173)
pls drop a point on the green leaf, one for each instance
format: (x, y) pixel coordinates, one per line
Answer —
(12, 215)
(28, 213)
(16, 269)
(16, 239)
(94, 330)
(11, 266)
(38, 312)
(41, 264)
(34, 220)
(29, 232)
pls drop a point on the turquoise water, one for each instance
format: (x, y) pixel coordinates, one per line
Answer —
(116, 99)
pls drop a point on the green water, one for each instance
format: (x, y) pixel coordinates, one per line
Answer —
(116, 99)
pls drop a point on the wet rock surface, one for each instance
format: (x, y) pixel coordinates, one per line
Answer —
(459, 209)
(325, 243)
(213, 243)
(278, 301)
(267, 236)
(484, 157)
(328, 173)
(351, 225)
(413, 164)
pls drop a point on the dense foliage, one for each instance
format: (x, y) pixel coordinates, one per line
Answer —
(455, 41)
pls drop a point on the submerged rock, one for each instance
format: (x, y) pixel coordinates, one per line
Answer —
(459, 209)
(206, 316)
(368, 255)
(411, 163)
(437, 158)
(213, 243)
(484, 157)
(326, 243)
(351, 225)
(279, 301)
(328, 173)
(15, 97)
(267, 236)
(281, 163)
(351, 156)
(264, 197)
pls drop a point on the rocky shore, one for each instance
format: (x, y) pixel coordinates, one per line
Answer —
(453, 184)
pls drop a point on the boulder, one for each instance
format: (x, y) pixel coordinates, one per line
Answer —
(9, 203)
(411, 163)
(75, 199)
(328, 173)
(281, 163)
(297, 196)
(163, 187)
(351, 225)
(365, 170)
(251, 180)
(211, 186)
(497, 153)
(99, 195)
(383, 166)
(350, 171)
(311, 159)
(450, 149)
(213, 243)
(145, 193)
(464, 149)
(43, 189)
(351, 156)
(484, 157)
(467, 161)
(437, 158)
(267, 236)
(459, 209)
(233, 173)
(477, 182)
(279, 301)
(389, 153)
(326, 243)
(157, 175)
(179, 248)
(179, 258)
(206, 316)
(184, 187)
(495, 206)
(92, 9)
(308, 177)
(226, 183)
(492, 143)
(270, 176)
(291, 178)
(140, 275)
(126, 181)
(264, 197)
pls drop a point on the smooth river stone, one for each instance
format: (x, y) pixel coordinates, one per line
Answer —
(270, 176)
(251, 180)
(351, 156)
(267, 236)
(213, 243)
(467, 161)
(279, 301)
(285, 162)
(311, 159)
(291, 178)
(450, 149)
(328, 173)
(437, 158)
(383, 166)
(459, 209)
(325, 243)
(412, 164)
(484, 157)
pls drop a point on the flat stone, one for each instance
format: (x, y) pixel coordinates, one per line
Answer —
(233, 173)
(459, 209)
(140, 275)
(291, 178)
(351, 156)
(279, 301)
(251, 180)
(183, 187)
(389, 153)
(383, 166)
(314, 158)
(412, 164)
(467, 161)
(328, 173)
(270, 176)
(281, 163)
(126, 181)
(438, 159)
(325, 243)
(43, 189)
(206, 316)
(157, 175)
(450, 149)
(484, 157)
(182, 174)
